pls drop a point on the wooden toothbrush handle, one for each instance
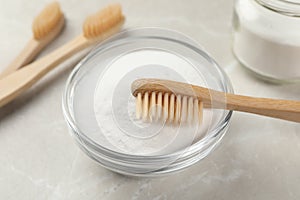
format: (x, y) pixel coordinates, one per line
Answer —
(282, 109)
(16, 83)
(29, 52)
(276, 108)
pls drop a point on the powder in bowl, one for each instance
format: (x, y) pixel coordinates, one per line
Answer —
(114, 105)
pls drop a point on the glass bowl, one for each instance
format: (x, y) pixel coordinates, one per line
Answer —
(99, 108)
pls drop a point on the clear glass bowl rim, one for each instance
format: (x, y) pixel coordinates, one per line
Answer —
(67, 108)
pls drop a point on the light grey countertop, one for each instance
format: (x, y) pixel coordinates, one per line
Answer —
(259, 158)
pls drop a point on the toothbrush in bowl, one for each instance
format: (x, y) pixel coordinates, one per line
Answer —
(158, 99)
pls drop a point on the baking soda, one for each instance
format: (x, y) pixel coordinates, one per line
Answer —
(114, 104)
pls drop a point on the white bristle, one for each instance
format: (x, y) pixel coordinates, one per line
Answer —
(190, 114)
(165, 107)
(200, 112)
(153, 107)
(139, 106)
(159, 106)
(145, 106)
(172, 108)
(184, 109)
(178, 109)
(196, 111)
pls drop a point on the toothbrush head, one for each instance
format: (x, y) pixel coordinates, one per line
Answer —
(49, 20)
(167, 101)
(104, 21)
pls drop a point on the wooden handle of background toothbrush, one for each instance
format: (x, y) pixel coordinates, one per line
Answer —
(14, 84)
(32, 49)
(29, 52)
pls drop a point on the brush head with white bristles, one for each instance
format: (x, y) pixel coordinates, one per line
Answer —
(48, 20)
(98, 24)
(168, 107)
(171, 102)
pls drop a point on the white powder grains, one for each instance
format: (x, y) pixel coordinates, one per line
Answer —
(114, 104)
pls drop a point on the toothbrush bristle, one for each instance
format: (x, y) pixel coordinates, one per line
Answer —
(171, 108)
(104, 20)
(48, 19)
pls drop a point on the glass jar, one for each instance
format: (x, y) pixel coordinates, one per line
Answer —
(267, 38)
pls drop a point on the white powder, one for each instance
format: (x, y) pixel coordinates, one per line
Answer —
(114, 105)
(267, 42)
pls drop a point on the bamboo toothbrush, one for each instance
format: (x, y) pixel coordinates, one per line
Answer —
(46, 26)
(180, 102)
(96, 28)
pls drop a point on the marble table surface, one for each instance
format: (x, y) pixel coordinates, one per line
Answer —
(257, 159)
